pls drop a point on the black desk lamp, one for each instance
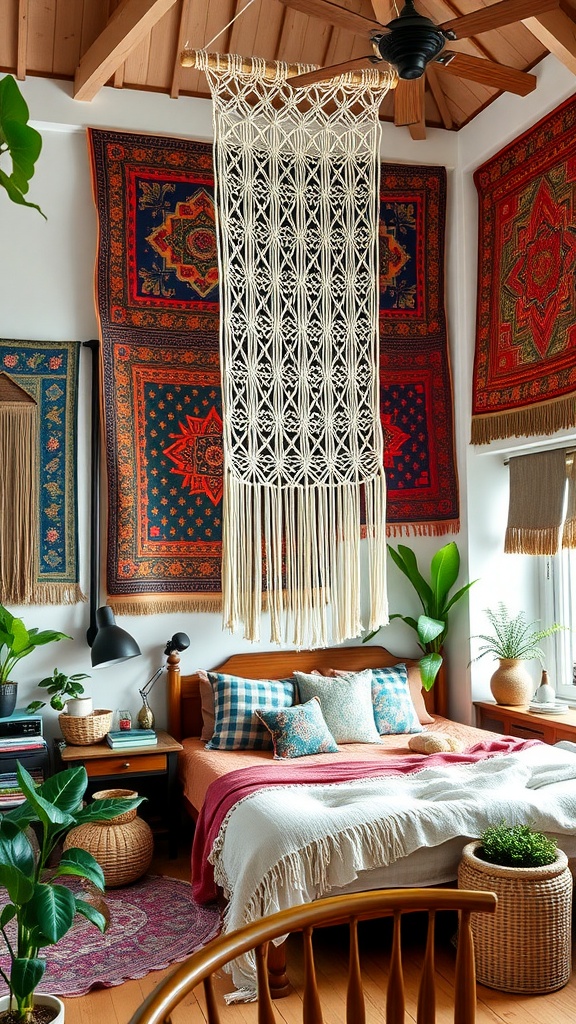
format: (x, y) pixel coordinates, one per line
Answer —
(111, 644)
(145, 717)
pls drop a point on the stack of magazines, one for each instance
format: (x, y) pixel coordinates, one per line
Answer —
(131, 738)
(10, 793)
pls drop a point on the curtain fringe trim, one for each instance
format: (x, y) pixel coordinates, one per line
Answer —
(520, 541)
(545, 418)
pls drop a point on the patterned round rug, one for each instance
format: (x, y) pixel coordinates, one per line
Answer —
(153, 923)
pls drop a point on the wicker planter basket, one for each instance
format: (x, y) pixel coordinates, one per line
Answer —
(122, 846)
(526, 946)
(80, 731)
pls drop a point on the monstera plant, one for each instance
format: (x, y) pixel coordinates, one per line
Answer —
(19, 141)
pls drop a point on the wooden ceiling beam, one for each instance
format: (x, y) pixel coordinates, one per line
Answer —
(439, 97)
(129, 25)
(556, 30)
(22, 45)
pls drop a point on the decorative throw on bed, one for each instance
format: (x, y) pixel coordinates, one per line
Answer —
(297, 181)
(525, 363)
(38, 433)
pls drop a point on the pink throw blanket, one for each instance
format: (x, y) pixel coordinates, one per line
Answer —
(237, 785)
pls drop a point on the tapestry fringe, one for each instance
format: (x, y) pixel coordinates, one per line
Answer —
(58, 593)
(18, 500)
(544, 418)
(518, 540)
(423, 529)
(311, 560)
(148, 604)
(569, 535)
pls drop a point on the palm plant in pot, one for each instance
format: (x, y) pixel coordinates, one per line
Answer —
(40, 910)
(16, 642)
(514, 641)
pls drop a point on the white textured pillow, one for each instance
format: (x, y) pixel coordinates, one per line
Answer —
(346, 703)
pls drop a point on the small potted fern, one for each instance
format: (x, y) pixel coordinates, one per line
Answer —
(514, 640)
(526, 945)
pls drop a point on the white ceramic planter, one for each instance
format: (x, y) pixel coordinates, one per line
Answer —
(42, 1000)
(79, 707)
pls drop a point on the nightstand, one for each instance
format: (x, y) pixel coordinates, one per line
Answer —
(528, 725)
(151, 771)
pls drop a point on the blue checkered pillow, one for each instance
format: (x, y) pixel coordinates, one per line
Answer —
(236, 727)
(394, 711)
(299, 730)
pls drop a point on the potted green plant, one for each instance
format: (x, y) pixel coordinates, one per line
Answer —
(525, 947)
(16, 642)
(40, 910)
(514, 641)
(60, 688)
(432, 626)
(19, 140)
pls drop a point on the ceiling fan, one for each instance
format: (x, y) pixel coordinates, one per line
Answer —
(413, 44)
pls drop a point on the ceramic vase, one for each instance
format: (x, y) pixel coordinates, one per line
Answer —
(8, 696)
(511, 683)
(41, 999)
(525, 946)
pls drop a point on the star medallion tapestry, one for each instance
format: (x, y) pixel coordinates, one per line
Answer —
(416, 405)
(525, 362)
(38, 491)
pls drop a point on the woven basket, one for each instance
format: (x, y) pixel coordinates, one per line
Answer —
(80, 731)
(526, 946)
(122, 846)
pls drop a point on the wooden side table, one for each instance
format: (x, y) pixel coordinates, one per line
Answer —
(152, 771)
(519, 721)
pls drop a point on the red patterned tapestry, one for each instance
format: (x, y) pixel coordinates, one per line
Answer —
(415, 379)
(157, 299)
(525, 361)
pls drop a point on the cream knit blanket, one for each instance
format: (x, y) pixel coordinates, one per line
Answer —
(313, 838)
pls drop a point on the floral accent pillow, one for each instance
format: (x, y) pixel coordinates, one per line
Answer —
(394, 710)
(298, 730)
(236, 726)
(346, 702)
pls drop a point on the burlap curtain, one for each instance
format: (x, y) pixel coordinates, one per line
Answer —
(542, 507)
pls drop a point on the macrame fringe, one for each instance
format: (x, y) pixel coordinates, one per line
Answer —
(522, 541)
(150, 605)
(18, 501)
(544, 418)
(310, 560)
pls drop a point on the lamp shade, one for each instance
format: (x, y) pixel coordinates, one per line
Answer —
(111, 643)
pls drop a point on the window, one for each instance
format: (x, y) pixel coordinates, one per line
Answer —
(559, 605)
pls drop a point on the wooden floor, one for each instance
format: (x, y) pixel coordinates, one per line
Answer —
(115, 1005)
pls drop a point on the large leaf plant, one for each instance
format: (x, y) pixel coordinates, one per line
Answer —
(39, 910)
(19, 140)
(431, 627)
(17, 641)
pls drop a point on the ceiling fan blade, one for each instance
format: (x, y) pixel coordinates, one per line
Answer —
(325, 74)
(487, 72)
(409, 101)
(335, 15)
(496, 16)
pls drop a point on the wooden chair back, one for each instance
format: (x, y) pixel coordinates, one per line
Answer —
(350, 909)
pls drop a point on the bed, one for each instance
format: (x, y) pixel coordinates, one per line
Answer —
(275, 832)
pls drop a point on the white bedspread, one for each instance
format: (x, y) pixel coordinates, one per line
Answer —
(313, 838)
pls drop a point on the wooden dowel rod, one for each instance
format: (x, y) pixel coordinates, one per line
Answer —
(216, 61)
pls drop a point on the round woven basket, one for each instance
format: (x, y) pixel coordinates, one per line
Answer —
(80, 731)
(122, 846)
(526, 945)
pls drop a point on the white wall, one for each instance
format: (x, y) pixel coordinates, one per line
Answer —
(47, 293)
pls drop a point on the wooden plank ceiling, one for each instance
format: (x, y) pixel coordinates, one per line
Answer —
(137, 44)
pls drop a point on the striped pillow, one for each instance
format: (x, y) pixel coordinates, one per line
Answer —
(236, 727)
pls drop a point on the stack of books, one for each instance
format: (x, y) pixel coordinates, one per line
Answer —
(10, 793)
(120, 738)
(11, 746)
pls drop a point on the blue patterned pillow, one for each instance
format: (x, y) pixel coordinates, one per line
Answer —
(235, 701)
(346, 702)
(298, 730)
(394, 709)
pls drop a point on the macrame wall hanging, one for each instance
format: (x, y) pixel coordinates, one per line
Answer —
(297, 186)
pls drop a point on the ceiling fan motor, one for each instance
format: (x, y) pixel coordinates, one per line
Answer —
(411, 42)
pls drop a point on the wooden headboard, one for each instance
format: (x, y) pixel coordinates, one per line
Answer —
(184, 706)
